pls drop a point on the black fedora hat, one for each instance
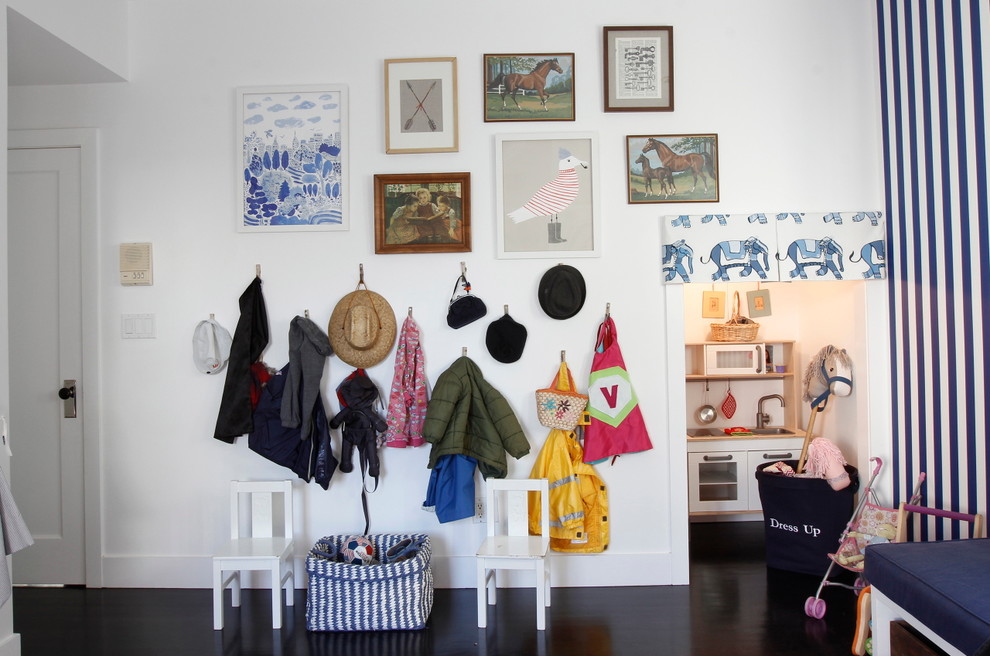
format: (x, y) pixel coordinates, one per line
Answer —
(562, 292)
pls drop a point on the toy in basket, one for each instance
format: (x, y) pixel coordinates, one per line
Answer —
(395, 593)
(736, 329)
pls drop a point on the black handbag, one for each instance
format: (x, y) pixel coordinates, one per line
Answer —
(465, 308)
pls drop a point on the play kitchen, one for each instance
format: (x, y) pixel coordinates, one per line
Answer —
(743, 410)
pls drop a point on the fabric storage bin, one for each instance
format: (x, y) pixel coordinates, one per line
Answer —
(345, 597)
(803, 519)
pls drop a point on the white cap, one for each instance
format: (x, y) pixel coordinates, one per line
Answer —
(211, 346)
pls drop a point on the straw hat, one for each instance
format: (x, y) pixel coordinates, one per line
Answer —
(362, 328)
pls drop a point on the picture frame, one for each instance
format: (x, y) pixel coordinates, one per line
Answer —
(638, 69)
(713, 305)
(423, 213)
(292, 151)
(545, 209)
(759, 303)
(529, 87)
(421, 105)
(672, 168)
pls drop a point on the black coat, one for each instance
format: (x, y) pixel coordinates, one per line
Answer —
(249, 342)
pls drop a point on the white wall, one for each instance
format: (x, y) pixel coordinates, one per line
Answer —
(97, 29)
(788, 87)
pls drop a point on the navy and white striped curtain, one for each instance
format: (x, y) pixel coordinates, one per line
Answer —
(933, 66)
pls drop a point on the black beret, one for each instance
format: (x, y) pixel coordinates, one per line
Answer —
(505, 339)
(562, 292)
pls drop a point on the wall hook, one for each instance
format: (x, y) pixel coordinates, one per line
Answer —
(463, 351)
(410, 310)
(563, 356)
(257, 270)
(505, 308)
(608, 310)
(212, 317)
(361, 274)
(464, 269)
(306, 313)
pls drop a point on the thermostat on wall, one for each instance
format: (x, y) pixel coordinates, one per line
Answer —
(135, 264)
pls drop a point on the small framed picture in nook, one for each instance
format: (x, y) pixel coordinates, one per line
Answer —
(638, 69)
(421, 105)
(672, 168)
(292, 158)
(530, 87)
(423, 213)
(547, 195)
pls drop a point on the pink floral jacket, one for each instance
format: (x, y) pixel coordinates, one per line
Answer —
(409, 395)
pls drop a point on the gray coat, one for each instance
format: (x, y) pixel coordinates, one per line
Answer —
(309, 347)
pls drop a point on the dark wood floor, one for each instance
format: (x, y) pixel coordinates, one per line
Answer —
(735, 606)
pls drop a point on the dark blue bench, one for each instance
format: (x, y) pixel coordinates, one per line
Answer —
(941, 588)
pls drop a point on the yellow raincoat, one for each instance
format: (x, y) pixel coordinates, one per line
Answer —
(578, 498)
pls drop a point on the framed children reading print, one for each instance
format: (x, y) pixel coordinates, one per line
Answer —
(423, 213)
(292, 158)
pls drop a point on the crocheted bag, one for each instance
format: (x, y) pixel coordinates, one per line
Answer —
(558, 406)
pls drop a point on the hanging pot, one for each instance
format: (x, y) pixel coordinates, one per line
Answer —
(706, 414)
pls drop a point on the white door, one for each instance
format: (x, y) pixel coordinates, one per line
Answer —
(44, 219)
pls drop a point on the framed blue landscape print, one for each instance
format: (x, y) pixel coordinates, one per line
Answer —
(292, 156)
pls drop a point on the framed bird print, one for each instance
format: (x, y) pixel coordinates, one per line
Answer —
(421, 105)
(547, 195)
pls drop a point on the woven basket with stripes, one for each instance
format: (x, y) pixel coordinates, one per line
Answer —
(345, 597)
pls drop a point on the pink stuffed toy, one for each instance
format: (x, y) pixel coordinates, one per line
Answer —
(826, 461)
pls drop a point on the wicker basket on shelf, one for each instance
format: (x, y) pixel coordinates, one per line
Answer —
(736, 329)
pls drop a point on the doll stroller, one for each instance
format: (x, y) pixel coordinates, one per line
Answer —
(870, 524)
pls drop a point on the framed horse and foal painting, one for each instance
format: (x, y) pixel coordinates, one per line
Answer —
(673, 168)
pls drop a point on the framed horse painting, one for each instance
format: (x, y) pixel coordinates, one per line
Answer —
(533, 87)
(673, 168)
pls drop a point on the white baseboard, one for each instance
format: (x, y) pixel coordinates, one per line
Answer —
(11, 645)
(568, 570)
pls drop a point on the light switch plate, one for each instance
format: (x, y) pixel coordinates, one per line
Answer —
(137, 326)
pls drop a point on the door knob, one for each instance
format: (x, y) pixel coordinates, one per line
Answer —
(68, 396)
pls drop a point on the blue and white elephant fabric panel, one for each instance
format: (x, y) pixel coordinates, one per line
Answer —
(773, 246)
(832, 246)
(717, 247)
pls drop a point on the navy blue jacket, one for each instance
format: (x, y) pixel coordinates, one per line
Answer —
(309, 458)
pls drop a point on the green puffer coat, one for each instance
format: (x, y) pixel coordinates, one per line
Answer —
(468, 416)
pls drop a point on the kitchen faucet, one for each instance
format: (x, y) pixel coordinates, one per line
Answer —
(761, 417)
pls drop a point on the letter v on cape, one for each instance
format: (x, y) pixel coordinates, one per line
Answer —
(617, 424)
